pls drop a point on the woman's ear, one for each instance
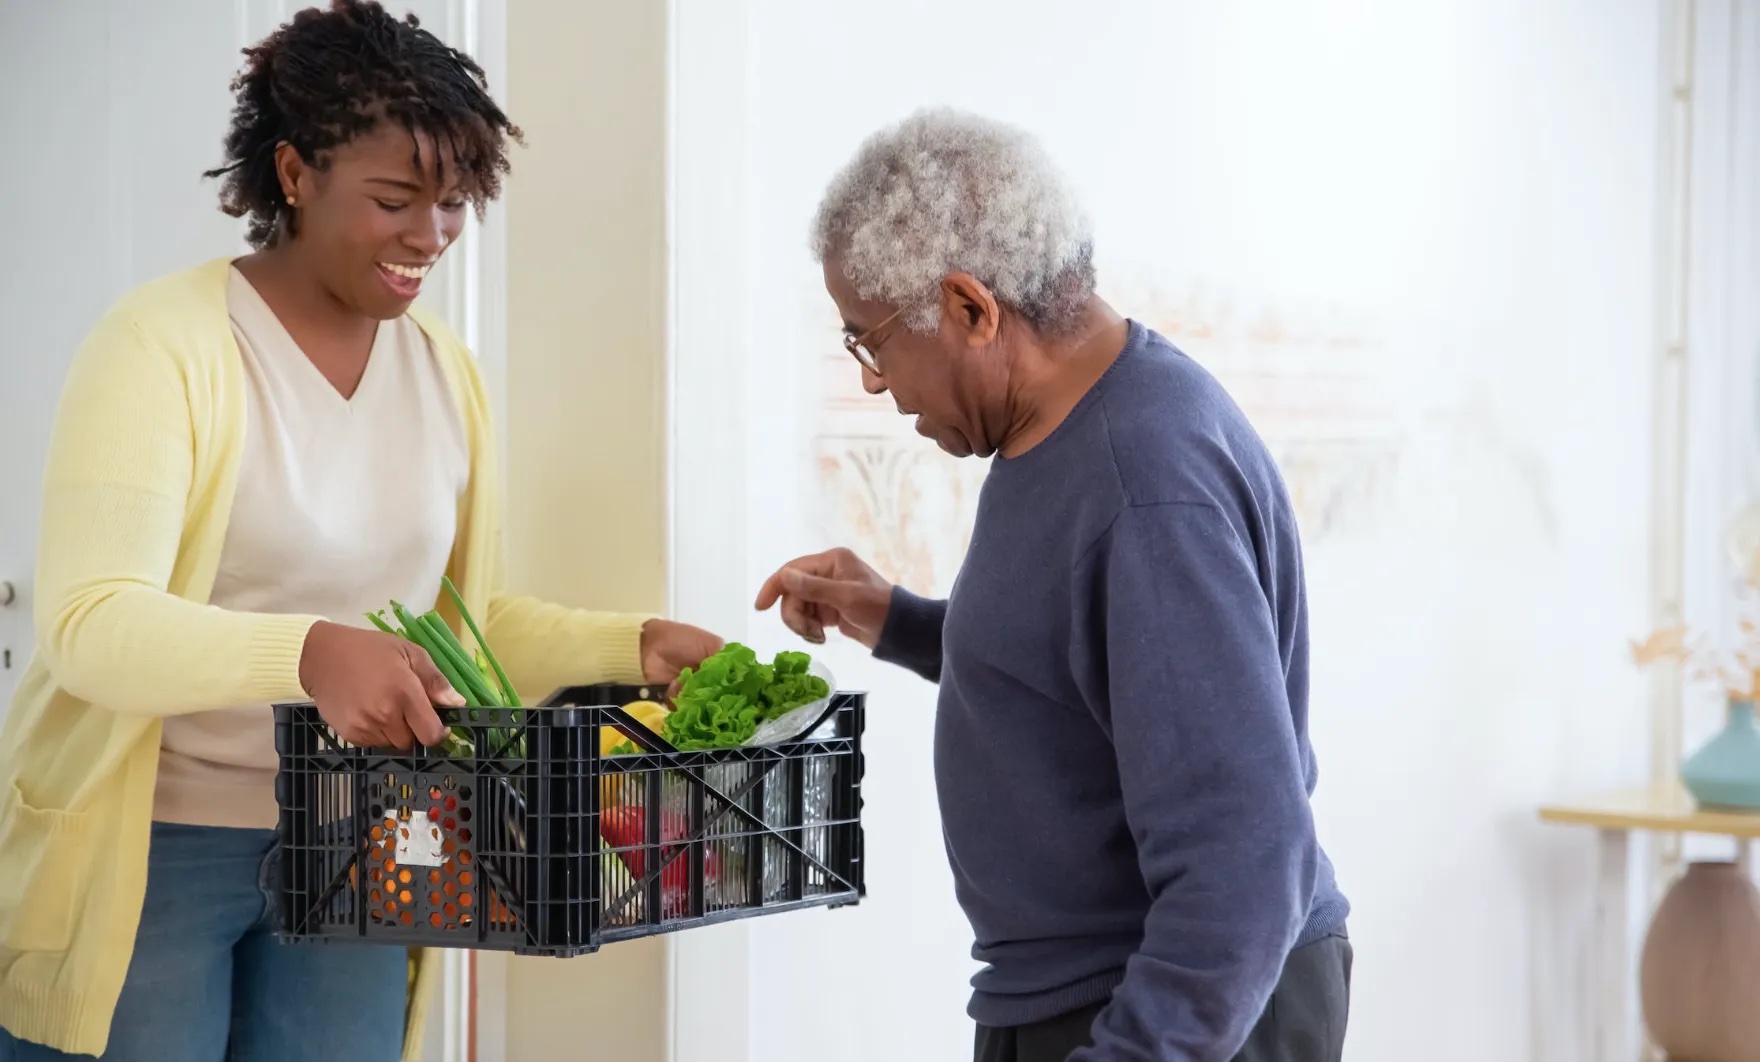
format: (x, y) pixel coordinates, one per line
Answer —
(973, 309)
(290, 169)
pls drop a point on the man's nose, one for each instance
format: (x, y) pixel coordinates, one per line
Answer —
(871, 383)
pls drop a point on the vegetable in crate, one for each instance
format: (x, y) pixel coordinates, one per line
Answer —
(625, 829)
(614, 742)
(721, 704)
(478, 677)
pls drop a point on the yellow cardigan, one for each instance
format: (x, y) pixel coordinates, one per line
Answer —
(142, 468)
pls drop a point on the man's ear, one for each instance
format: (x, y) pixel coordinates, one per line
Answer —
(971, 307)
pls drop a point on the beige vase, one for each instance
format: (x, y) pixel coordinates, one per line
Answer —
(1699, 978)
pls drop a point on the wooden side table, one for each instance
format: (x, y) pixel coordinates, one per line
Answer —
(1615, 817)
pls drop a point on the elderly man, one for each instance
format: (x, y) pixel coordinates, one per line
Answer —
(1121, 747)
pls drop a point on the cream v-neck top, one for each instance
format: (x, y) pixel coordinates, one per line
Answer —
(342, 506)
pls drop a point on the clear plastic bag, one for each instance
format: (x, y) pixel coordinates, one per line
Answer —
(794, 724)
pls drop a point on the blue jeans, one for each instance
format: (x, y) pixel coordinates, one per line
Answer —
(209, 983)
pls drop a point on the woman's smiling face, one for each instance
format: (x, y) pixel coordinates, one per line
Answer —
(377, 217)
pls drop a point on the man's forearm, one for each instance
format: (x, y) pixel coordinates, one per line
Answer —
(912, 635)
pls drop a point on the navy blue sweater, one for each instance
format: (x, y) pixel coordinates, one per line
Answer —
(1121, 747)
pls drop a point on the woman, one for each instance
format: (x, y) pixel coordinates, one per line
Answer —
(249, 456)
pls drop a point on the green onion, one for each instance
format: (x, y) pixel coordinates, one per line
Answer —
(458, 739)
(482, 643)
(415, 631)
(447, 644)
(477, 677)
(483, 669)
(423, 639)
(431, 634)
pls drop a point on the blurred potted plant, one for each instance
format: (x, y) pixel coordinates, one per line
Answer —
(1724, 771)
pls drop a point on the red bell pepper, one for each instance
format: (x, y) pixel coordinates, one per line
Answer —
(625, 830)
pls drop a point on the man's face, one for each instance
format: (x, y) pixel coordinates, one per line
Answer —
(927, 375)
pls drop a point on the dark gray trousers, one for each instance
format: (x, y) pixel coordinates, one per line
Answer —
(1304, 1022)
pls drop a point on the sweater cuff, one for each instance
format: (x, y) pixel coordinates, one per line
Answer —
(912, 632)
(617, 648)
(275, 649)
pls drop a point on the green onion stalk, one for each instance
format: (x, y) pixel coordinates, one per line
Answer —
(477, 676)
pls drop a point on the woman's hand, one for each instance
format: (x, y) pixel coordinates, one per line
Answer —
(376, 689)
(669, 647)
(831, 589)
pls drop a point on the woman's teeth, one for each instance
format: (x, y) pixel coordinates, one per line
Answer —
(412, 272)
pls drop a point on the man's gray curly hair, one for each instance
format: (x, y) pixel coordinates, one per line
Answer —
(945, 192)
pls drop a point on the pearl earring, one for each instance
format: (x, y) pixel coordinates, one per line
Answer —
(291, 201)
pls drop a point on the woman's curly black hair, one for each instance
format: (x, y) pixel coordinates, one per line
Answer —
(329, 76)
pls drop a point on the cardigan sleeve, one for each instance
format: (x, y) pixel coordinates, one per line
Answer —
(546, 646)
(119, 487)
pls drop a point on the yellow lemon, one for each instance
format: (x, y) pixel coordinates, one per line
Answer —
(648, 713)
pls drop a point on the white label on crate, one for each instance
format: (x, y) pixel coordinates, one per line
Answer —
(419, 843)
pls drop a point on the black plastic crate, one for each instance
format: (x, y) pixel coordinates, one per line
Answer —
(537, 844)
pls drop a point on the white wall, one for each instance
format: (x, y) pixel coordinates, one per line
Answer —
(1417, 240)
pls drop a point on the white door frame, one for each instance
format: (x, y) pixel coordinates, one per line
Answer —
(473, 300)
(709, 343)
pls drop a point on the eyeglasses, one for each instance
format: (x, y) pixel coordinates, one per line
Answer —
(859, 346)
